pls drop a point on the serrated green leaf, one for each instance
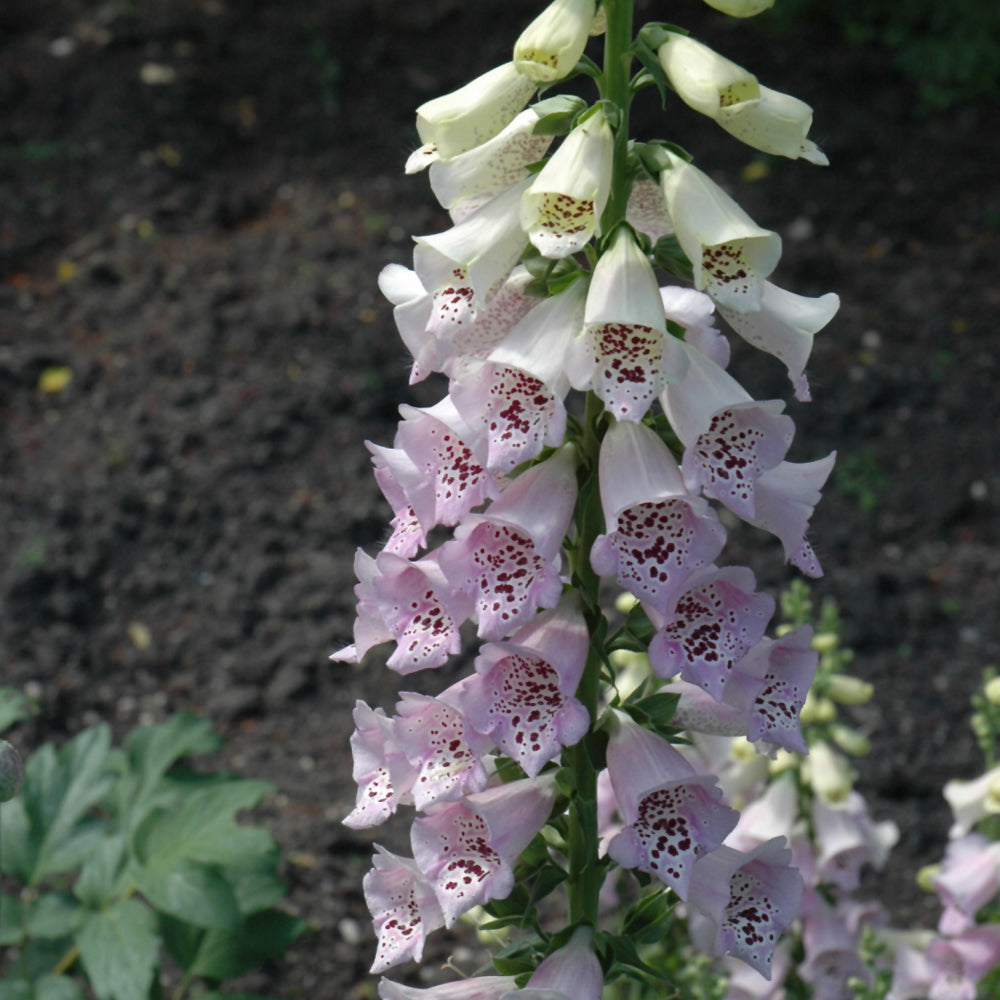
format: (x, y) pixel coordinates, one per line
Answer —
(255, 890)
(181, 940)
(188, 890)
(14, 707)
(52, 915)
(226, 954)
(100, 869)
(58, 790)
(19, 843)
(204, 828)
(11, 919)
(119, 949)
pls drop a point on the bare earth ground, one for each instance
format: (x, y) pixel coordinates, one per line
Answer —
(178, 523)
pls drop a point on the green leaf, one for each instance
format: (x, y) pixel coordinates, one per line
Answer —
(659, 708)
(226, 954)
(204, 828)
(58, 790)
(188, 890)
(255, 890)
(19, 844)
(11, 919)
(119, 949)
(97, 876)
(181, 940)
(556, 114)
(14, 708)
(57, 988)
(15, 989)
(52, 915)
(668, 255)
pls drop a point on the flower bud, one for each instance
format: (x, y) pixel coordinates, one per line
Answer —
(851, 741)
(825, 642)
(830, 774)
(551, 45)
(740, 8)
(847, 690)
(11, 771)
(926, 875)
(991, 690)
(817, 710)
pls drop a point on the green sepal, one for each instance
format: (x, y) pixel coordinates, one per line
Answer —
(557, 114)
(668, 255)
(655, 33)
(658, 709)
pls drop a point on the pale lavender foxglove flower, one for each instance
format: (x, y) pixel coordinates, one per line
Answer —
(658, 534)
(408, 536)
(744, 983)
(625, 354)
(522, 692)
(516, 397)
(831, 953)
(968, 879)
(694, 311)
(413, 309)
(468, 181)
(483, 248)
(467, 850)
(932, 967)
(561, 210)
(411, 603)
(672, 815)
(729, 438)
(507, 560)
(698, 712)
(403, 906)
(646, 211)
(715, 623)
(381, 771)
(435, 466)
(572, 972)
(847, 839)
(473, 114)
(750, 897)
(476, 988)
(443, 750)
(784, 327)
(773, 813)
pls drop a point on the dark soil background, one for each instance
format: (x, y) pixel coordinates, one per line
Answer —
(201, 249)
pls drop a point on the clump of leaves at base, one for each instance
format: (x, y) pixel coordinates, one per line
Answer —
(116, 857)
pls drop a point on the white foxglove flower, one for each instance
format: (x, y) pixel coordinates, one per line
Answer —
(731, 255)
(466, 182)
(551, 45)
(485, 247)
(562, 208)
(471, 115)
(784, 327)
(724, 91)
(625, 354)
(703, 79)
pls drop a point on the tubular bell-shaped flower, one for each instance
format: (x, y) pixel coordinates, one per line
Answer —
(731, 255)
(784, 327)
(550, 46)
(466, 850)
(562, 208)
(717, 620)
(729, 438)
(381, 771)
(673, 816)
(403, 906)
(658, 534)
(516, 397)
(485, 246)
(476, 988)
(471, 179)
(751, 898)
(475, 113)
(764, 119)
(625, 353)
(507, 559)
(522, 692)
(572, 972)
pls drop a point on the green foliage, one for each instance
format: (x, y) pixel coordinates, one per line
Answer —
(951, 51)
(121, 856)
(862, 476)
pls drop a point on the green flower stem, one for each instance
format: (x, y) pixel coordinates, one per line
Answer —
(617, 90)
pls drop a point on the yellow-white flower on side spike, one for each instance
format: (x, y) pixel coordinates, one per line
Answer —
(550, 46)
(730, 254)
(717, 87)
(740, 8)
(562, 208)
(471, 115)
